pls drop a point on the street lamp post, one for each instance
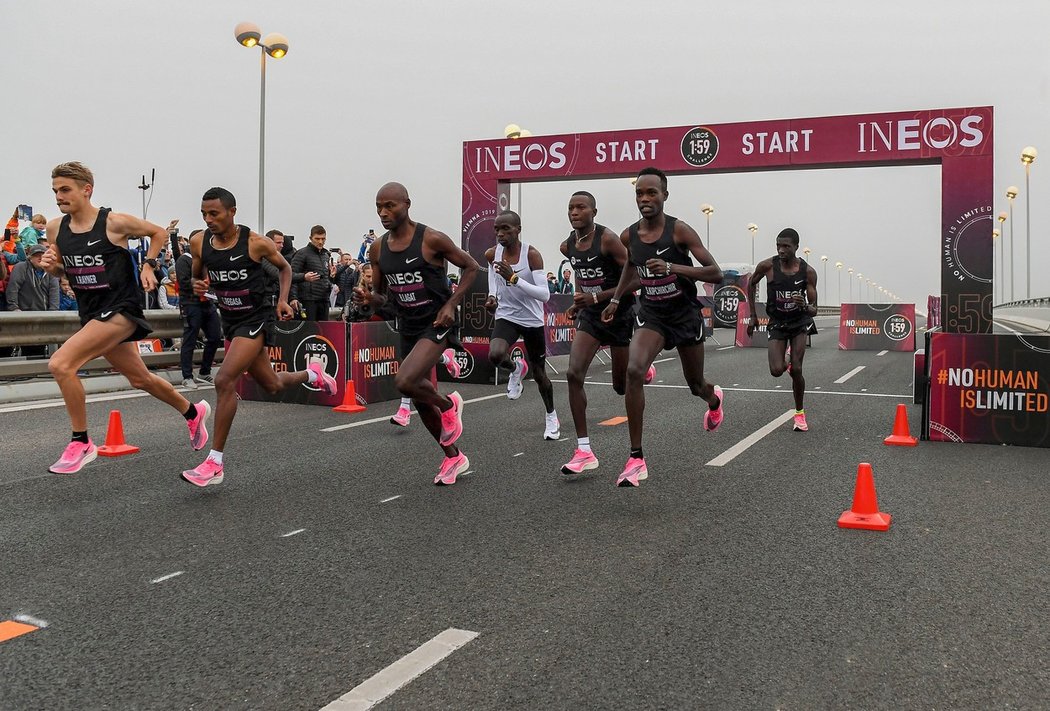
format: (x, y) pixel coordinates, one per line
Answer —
(850, 272)
(838, 265)
(753, 228)
(805, 252)
(824, 259)
(1011, 193)
(708, 210)
(1028, 157)
(995, 238)
(515, 132)
(276, 46)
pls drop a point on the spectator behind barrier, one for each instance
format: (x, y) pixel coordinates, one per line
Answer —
(30, 288)
(311, 276)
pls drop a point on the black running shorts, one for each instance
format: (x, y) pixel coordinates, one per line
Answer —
(615, 334)
(448, 336)
(684, 328)
(786, 330)
(531, 336)
(265, 326)
(131, 313)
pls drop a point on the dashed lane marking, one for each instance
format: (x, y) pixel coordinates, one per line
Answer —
(292, 533)
(169, 576)
(881, 353)
(743, 445)
(863, 393)
(384, 501)
(386, 418)
(725, 348)
(849, 375)
(384, 683)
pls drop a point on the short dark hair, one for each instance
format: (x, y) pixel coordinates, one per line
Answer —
(271, 233)
(657, 172)
(594, 203)
(222, 195)
(511, 213)
(789, 233)
(318, 230)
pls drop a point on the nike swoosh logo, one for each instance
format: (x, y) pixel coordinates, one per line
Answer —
(661, 251)
(591, 259)
(409, 261)
(105, 314)
(256, 331)
(234, 259)
(798, 282)
(639, 321)
(92, 244)
(441, 336)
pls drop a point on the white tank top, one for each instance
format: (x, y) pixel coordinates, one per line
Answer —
(514, 305)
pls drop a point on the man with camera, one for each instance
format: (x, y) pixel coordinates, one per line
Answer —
(311, 275)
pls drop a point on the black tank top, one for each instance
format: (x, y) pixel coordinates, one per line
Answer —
(101, 273)
(238, 281)
(662, 295)
(781, 287)
(418, 288)
(595, 272)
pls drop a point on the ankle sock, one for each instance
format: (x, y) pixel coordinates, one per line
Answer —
(190, 413)
(583, 444)
(637, 454)
(80, 437)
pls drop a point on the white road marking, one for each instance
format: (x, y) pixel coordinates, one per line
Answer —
(864, 392)
(743, 445)
(386, 418)
(390, 499)
(30, 620)
(43, 404)
(725, 348)
(292, 533)
(169, 576)
(384, 683)
(881, 353)
(519, 454)
(849, 375)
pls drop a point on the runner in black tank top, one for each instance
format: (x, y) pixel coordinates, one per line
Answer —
(239, 285)
(102, 274)
(660, 247)
(415, 256)
(227, 258)
(791, 304)
(598, 257)
(91, 245)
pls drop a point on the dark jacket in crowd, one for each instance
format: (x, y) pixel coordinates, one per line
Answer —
(184, 277)
(311, 259)
(346, 279)
(30, 290)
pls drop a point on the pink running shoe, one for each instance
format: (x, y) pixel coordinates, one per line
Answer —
(402, 417)
(452, 421)
(451, 364)
(199, 425)
(324, 381)
(800, 423)
(581, 461)
(451, 468)
(514, 384)
(713, 418)
(650, 374)
(207, 473)
(74, 457)
(634, 473)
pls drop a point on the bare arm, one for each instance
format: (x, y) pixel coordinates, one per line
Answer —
(762, 270)
(121, 226)
(51, 261)
(686, 238)
(439, 244)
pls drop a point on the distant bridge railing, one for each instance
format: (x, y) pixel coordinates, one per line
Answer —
(1030, 313)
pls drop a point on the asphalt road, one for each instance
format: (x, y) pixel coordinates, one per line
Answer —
(723, 587)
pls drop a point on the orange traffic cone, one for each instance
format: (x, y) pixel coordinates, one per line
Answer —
(349, 400)
(865, 510)
(115, 445)
(901, 437)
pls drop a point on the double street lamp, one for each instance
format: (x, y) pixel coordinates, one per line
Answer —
(753, 228)
(275, 45)
(708, 210)
(1028, 157)
(514, 132)
(838, 266)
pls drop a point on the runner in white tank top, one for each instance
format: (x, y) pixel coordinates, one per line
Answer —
(517, 292)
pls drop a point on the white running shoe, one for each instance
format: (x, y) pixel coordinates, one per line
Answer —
(553, 427)
(514, 384)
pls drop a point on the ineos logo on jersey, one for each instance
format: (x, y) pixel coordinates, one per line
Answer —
(514, 157)
(938, 133)
(597, 273)
(404, 278)
(83, 260)
(223, 275)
